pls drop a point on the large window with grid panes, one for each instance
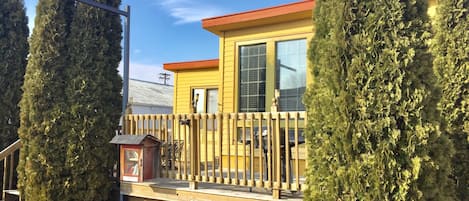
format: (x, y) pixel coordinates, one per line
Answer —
(288, 74)
(252, 71)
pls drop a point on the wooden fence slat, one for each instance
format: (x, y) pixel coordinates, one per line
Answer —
(251, 151)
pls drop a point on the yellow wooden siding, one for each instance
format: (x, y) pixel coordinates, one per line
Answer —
(189, 79)
(185, 81)
(226, 78)
(230, 42)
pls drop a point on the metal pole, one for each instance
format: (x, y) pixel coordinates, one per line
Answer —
(126, 63)
(125, 87)
(104, 7)
(126, 14)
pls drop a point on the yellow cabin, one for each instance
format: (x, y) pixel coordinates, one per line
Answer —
(260, 51)
(239, 120)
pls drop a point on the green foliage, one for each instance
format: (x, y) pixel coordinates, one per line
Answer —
(43, 130)
(93, 93)
(71, 104)
(371, 108)
(450, 48)
(13, 52)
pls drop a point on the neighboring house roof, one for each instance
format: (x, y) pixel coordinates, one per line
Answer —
(264, 16)
(150, 93)
(191, 65)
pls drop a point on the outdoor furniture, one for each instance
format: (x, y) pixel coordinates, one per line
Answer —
(171, 152)
(283, 157)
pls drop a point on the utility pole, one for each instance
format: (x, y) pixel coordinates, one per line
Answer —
(165, 77)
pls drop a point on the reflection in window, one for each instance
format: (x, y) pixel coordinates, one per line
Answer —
(199, 96)
(291, 74)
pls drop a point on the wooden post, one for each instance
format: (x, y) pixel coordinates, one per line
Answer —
(220, 120)
(277, 181)
(194, 143)
(277, 178)
(126, 121)
(194, 140)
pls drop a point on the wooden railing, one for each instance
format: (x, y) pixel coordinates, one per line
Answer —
(9, 157)
(264, 150)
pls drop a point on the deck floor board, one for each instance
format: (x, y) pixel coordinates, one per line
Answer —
(169, 189)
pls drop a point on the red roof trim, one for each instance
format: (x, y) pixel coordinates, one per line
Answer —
(191, 65)
(259, 14)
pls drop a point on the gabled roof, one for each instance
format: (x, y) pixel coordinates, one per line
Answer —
(264, 16)
(150, 94)
(132, 139)
(191, 65)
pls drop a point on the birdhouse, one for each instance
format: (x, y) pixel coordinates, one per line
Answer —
(139, 157)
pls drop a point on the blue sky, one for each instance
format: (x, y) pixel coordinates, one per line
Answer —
(165, 31)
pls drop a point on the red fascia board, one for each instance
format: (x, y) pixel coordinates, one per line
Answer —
(258, 14)
(191, 65)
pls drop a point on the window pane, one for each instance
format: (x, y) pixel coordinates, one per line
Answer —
(252, 68)
(199, 96)
(212, 100)
(212, 107)
(291, 74)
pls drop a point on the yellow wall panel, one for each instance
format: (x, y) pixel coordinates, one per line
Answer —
(188, 79)
(266, 34)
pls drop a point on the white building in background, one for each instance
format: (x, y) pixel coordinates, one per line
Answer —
(150, 98)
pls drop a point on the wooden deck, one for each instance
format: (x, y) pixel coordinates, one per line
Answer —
(168, 190)
(251, 150)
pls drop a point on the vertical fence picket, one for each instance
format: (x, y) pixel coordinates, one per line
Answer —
(185, 151)
(204, 120)
(297, 154)
(287, 151)
(230, 137)
(179, 175)
(243, 119)
(212, 119)
(261, 149)
(220, 127)
(251, 151)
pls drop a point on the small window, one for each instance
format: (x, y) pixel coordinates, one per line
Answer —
(206, 101)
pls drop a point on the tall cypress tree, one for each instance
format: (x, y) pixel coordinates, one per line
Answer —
(13, 52)
(326, 104)
(42, 129)
(93, 93)
(450, 48)
(372, 122)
